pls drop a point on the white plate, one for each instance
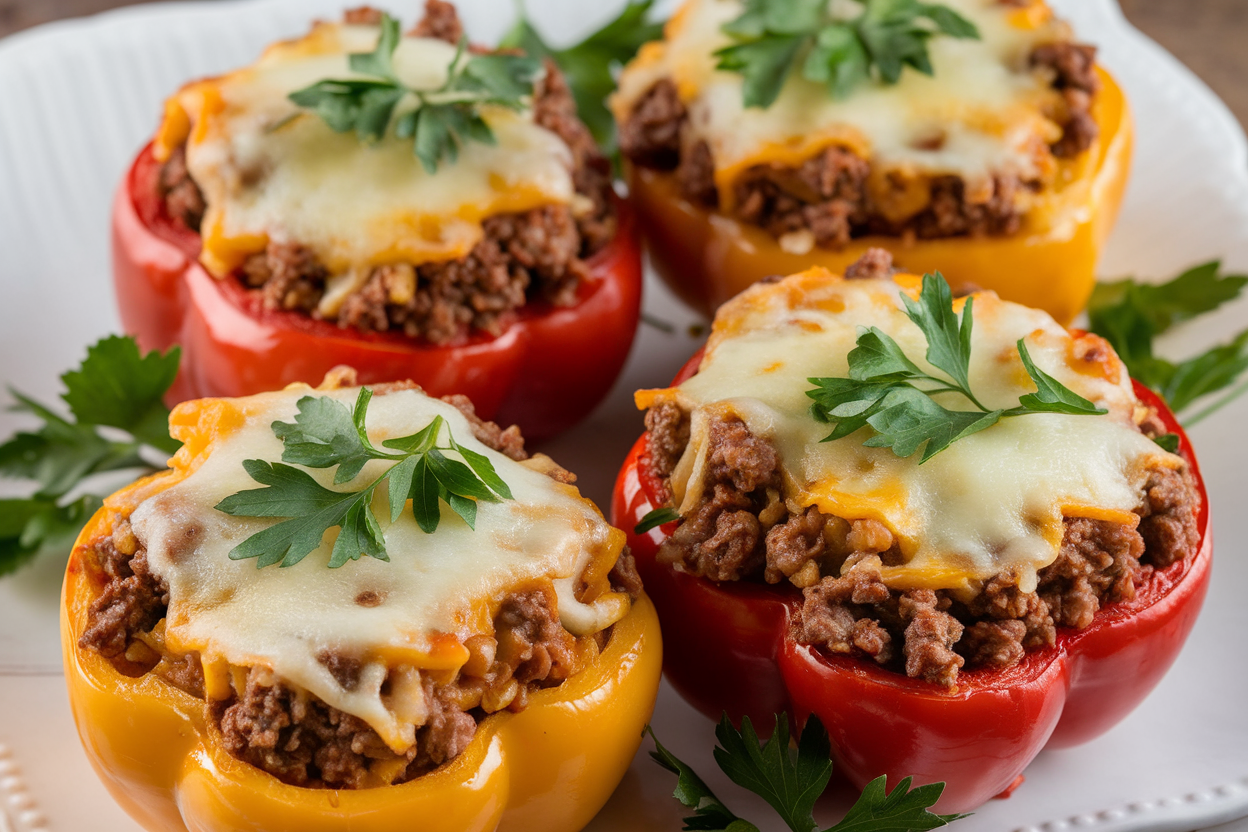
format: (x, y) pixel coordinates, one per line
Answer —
(78, 98)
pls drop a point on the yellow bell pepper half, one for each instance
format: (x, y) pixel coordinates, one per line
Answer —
(550, 767)
(707, 257)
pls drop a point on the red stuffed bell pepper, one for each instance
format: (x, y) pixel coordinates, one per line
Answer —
(740, 646)
(510, 273)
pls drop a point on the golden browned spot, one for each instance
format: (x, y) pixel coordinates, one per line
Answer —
(252, 174)
(345, 669)
(369, 598)
(185, 541)
(1093, 353)
(1094, 356)
(934, 140)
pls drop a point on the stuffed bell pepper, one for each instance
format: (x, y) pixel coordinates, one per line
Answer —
(973, 136)
(409, 205)
(951, 529)
(407, 623)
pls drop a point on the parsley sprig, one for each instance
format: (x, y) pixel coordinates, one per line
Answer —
(590, 66)
(1131, 315)
(889, 393)
(443, 119)
(326, 434)
(116, 387)
(791, 780)
(774, 37)
(656, 517)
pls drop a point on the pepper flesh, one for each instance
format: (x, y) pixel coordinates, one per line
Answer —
(730, 647)
(707, 257)
(551, 766)
(545, 372)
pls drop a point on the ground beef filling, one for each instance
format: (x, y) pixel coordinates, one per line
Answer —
(824, 201)
(132, 601)
(742, 530)
(304, 742)
(298, 738)
(531, 256)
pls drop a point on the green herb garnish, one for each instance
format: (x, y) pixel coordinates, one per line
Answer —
(1130, 315)
(656, 517)
(1168, 442)
(443, 119)
(887, 392)
(791, 780)
(775, 36)
(590, 66)
(326, 434)
(114, 387)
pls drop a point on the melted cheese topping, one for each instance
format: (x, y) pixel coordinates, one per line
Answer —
(272, 171)
(990, 503)
(983, 111)
(436, 591)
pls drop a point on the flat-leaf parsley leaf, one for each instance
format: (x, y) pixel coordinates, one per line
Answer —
(590, 65)
(791, 780)
(326, 434)
(773, 38)
(887, 392)
(115, 387)
(1130, 315)
(442, 119)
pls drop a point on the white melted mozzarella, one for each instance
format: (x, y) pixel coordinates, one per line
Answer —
(271, 171)
(990, 503)
(982, 100)
(434, 586)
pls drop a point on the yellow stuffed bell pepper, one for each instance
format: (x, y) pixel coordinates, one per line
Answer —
(550, 766)
(707, 256)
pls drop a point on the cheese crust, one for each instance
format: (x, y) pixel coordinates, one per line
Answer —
(271, 172)
(985, 116)
(991, 504)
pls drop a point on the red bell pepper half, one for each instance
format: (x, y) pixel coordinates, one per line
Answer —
(546, 372)
(729, 647)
